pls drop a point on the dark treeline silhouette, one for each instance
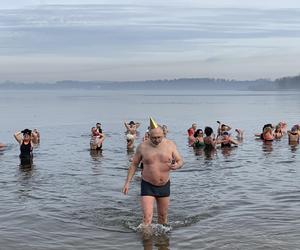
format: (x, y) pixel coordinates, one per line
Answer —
(181, 83)
(289, 82)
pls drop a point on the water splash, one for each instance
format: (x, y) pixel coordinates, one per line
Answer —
(153, 229)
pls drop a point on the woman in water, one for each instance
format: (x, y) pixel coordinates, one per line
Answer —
(226, 141)
(199, 140)
(278, 133)
(25, 138)
(268, 134)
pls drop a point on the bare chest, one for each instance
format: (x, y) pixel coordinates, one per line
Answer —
(156, 156)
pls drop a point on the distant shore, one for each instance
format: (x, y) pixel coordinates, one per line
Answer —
(285, 83)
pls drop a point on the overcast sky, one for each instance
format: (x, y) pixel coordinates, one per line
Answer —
(43, 40)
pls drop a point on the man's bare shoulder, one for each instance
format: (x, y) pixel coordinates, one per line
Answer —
(170, 142)
(142, 146)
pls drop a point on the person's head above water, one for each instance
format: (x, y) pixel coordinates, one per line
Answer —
(156, 135)
(26, 131)
(26, 134)
(198, 132)
(225, 135)
(208, 131)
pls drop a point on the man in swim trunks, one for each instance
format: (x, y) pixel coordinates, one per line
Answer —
(159, 156)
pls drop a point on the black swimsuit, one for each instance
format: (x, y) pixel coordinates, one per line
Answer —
(225, 145)
(148, 189)
(26, 150)
(26, 154)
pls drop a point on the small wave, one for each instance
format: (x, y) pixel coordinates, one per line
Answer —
(153, 229)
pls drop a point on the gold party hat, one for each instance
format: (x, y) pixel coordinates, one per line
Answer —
(153, 123)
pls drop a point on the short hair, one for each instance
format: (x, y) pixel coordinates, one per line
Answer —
(208, 131)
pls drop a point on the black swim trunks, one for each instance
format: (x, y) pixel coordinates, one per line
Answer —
(148, 189)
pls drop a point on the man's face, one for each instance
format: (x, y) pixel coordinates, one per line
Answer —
(156, 136)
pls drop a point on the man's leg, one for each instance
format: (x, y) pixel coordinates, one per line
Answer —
(162, 209)
(147, 205)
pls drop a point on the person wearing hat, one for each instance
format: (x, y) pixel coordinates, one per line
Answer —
(24, 138)
(159, 156)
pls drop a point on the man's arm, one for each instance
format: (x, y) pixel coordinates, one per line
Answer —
(131, 170)
(177, 159)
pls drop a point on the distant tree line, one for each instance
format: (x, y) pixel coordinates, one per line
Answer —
(180, 83)
(289, 82)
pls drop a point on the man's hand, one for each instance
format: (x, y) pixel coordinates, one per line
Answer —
(173, 165)
(125, 188)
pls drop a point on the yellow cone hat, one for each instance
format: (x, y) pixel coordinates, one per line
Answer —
(153, 123)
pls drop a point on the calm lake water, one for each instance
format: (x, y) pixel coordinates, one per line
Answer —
(244, 198)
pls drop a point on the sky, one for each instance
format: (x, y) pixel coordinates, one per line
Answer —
(118, 40)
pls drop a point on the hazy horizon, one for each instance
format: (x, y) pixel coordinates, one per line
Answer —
(131, 41)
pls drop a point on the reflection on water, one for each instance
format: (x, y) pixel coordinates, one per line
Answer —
(25, 181)
(26, 162)
(154, 236)
(209, 153)
(293, 146)
(96, 154)
(267, 146)
(226, 151)
(160, 242)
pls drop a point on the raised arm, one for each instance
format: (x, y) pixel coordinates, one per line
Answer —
(35, 136)
(137, 124)
(126, 125)
(18, 137)
(235, 142)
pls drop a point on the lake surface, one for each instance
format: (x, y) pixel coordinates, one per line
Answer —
(244, 198)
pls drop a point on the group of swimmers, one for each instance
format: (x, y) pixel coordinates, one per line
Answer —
(197, 138)
(270, 132)
(207, 139)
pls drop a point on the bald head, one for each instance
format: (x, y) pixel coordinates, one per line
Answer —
(156, 135)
